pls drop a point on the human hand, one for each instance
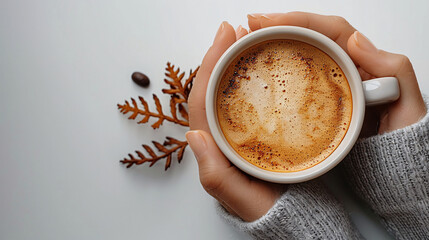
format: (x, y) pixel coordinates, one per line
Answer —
(371, 63)
(238, 193)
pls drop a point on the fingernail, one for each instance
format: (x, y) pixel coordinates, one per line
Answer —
(363, 42)
(265, 17)
(220, 30)
(239, 28)
(252, 15)
(197, 143)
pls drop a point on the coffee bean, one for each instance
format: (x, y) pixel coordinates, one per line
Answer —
(140, 79)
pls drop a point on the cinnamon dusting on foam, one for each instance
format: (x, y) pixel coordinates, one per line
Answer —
(284, 105)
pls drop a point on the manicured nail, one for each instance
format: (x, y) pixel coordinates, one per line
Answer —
(197, 143)
(239, 28)
(220, 30)
(265, 17)
(363, 42)
(252, 16)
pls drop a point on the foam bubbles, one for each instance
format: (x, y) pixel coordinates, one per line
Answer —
(284, 105)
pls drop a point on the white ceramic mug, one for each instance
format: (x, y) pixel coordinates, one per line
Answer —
(371, 92)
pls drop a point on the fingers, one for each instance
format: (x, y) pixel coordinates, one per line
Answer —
(248, 199)
(225, 37)
(334, 27)
(253, 21)
(364, 75)
(410, 106)
(240, 32)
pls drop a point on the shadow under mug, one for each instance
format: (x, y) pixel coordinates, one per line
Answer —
(371, 92)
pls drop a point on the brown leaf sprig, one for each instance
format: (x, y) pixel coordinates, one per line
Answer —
(177, 145)
(179, 91)
(176, 87)
(134, 108)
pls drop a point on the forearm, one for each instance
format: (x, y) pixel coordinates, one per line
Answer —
(304, 211)
(390, 172)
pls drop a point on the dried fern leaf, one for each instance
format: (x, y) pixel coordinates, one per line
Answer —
(177, 146)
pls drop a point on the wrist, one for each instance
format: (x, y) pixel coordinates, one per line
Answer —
(264, 204)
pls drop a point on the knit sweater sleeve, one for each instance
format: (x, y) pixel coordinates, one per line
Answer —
(304, 211)
(391, 173)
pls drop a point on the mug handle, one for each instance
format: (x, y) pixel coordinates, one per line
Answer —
(381, 90)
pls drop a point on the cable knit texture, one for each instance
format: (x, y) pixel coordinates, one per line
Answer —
(304, 211)
(388, 171)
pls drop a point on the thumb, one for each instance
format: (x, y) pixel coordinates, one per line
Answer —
(212, 164)
(249, 199)
(410, 106)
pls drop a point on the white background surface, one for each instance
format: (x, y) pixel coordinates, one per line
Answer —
(64, 65)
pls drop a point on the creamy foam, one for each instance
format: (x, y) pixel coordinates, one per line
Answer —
(284, 105)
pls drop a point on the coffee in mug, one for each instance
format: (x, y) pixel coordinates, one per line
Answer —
(284, 105)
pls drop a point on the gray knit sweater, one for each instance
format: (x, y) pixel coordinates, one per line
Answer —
(389, 171)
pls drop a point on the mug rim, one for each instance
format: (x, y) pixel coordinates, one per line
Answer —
(327, 46)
